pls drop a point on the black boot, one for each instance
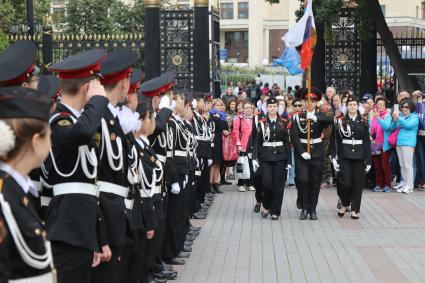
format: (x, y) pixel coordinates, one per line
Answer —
(313, 215)
(303, 215)
(217, 189)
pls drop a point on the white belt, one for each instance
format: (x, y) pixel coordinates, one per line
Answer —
(198, 173)
(107, 187)
(75, 188)
(421, 133)
(212, 144)
(352, 142)
(45, 201)
(161, 158)
(45, 278)
(180, 153)
(273, 144)
(37, 185)
(201, 139)
(157, 189)
(129, 203)
(312, 141)
(145, 194)
(169, 154)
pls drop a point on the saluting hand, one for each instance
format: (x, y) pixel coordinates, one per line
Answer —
(95, 88)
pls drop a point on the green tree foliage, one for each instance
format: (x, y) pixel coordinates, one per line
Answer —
(15, 10)
(103, 16)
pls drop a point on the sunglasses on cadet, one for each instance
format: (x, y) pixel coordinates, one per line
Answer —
(297, 105)
(405, 107)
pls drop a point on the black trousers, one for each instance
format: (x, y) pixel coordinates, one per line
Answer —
(273, 182)
(308, 174)
(257, 180)
(134, 259)
(351, 178)
(161, 207)
(73, 264)
(203, 180)
(111, 271)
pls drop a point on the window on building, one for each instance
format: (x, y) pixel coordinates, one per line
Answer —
(236, 39)
(243, 12)
(58, 14)
(226, 10)
(59, 2)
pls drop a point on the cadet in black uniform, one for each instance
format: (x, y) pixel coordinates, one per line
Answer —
(203, 138)
(309, 165)
(17, 65)
(73, 218)
(113, 169)
(272, 150)
(24, 251)
(351, 156)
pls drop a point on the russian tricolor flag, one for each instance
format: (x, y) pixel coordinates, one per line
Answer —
(303, 34)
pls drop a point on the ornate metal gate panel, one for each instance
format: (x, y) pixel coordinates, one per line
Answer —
(177, 47)
(343, 57)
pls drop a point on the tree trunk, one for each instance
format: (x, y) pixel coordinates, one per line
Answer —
(391, 48)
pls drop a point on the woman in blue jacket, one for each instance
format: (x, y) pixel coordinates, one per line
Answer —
(408, 122)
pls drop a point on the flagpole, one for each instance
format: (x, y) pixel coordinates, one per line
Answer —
(308, 97)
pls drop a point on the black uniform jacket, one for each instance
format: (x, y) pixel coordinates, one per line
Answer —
(12, 265)
(112, 205)
(346, 134)
(74, 219)
(316, 130)
(180, 136)
(147, 159)
(201, 129)
(269, 133)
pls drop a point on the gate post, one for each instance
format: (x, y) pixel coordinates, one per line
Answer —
(368, 59)
(152, 39)
(201, 47)
(47, 51)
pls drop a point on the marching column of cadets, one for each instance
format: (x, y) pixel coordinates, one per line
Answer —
(119, 167)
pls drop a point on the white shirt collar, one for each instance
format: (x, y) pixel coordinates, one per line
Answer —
(113, 110)
(74, 111)
(23, 181)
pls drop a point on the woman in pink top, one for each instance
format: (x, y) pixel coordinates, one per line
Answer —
(242, 129)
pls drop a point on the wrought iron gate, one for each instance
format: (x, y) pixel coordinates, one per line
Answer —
(343, 57)
(177, 47)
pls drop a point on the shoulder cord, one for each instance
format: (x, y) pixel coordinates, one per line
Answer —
(84, 154)
(38, 261)
(266, 132)
(145, 181)
(132, 174)
(110, 152)
(346, 133)
(169, 138)
(303, 130)
(159, 169)
(182, 133)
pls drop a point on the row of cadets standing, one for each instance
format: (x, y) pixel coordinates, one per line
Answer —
(203, 136)
(309, 164)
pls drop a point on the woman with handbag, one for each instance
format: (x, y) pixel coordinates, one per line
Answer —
(242, 131)
(351, 156)
(406, 123)
(380, 129)
(273, 151)
(25, 254)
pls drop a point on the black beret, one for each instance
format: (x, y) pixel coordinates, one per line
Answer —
(18, 102)
(315, 93)
(272, 100)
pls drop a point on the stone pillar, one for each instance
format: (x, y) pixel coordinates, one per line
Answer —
(152, 51)
(201, 60)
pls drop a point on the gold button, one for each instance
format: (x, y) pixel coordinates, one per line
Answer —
(37, 231)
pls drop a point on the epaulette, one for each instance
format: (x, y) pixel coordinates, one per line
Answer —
(61, 119)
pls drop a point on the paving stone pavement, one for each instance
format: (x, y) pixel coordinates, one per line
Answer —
(387, 244)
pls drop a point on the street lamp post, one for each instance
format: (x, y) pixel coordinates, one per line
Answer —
(30, 17)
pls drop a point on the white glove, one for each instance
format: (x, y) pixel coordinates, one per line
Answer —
(306, 156)
(264, 108)
(194, 103)
(255, 165)
(129, 120)
(335, 164)
(259, 103)
(175, 188)
(197, 163)
(311, 116)
(209, 162)
(173, 105)
(368, 168)
(280, 110)
(165, 102)
(288, 166)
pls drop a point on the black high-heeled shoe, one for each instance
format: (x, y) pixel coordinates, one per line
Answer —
(341, 214)
(217, 189)
(257, 207)
(275, 217)
(355, 217)
(265, 214)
